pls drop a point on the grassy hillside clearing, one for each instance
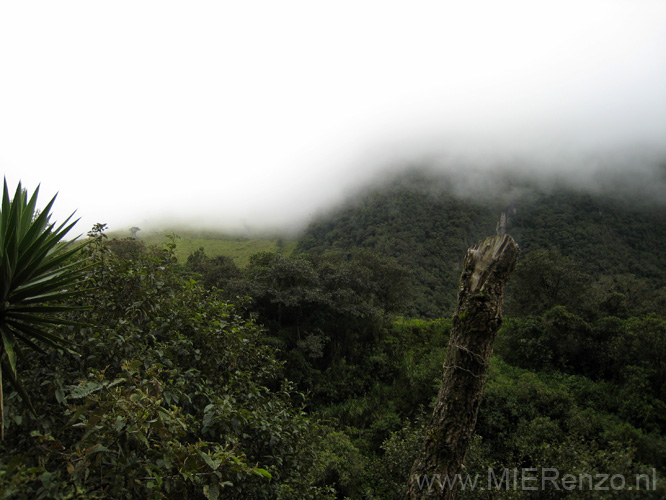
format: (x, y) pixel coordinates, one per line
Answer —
(214, 243)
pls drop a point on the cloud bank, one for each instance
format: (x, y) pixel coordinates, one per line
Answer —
(258, 114)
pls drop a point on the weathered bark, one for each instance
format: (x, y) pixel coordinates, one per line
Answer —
(475, 324)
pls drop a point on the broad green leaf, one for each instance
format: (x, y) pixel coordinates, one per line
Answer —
(211, 491)
(263, 472)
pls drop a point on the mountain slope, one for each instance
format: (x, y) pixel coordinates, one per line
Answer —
(419, 220)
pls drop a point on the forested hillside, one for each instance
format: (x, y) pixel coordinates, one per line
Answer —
(578, 381)
(419, 219)
(312, 375)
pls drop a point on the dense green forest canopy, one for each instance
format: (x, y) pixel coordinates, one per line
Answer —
(311, 375)
(420, 219)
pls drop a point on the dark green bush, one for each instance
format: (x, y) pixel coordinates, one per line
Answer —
(173, 394)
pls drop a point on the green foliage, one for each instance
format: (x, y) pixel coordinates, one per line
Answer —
(324, 312)
(178, 392)
(341, 463)
(558, 340)
(391, 468)
(544, 279)
(36, 273)
(175, 394)
(569, 423)
(216, 272)
(217, 243)
(608, 348)
(422, 221)
(415, 221)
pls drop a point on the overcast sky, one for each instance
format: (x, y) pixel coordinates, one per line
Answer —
(261, 112)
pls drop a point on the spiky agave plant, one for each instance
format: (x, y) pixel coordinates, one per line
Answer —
(37, 273)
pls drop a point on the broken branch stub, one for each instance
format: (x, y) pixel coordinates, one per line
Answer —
(476, 321)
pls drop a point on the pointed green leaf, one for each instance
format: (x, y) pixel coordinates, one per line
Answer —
(46, 309)
(52, 283)
(8, 348)
(16, 384)
(39, 334)
(28, 213)
(36, 271)
(28, 342)
(53, 296)
(43, 320)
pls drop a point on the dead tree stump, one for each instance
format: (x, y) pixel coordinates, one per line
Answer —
(475, 324)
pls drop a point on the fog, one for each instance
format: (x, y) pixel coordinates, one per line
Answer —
(257, 115)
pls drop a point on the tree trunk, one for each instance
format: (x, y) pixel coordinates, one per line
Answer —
(475, 324)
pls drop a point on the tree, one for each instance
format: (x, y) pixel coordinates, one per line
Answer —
(219, 272)
(475, 324)
(36, 272)
(545, 279)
